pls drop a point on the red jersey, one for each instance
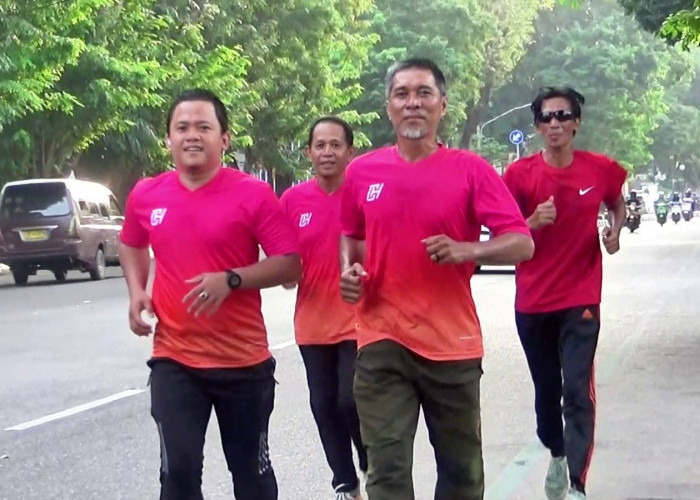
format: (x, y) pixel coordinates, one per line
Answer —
(567, 268)
(213, 228)
(393, 205)
(321, 316)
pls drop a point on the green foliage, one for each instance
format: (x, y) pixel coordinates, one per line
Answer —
(622, 72)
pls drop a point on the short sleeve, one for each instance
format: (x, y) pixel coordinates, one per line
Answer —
(273, 229)
(493, 204)
(133, 233)
(351, 215)
(284, 201)
(510, 179)
(614, 176)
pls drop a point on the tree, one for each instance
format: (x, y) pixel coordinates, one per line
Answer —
(651, 14)
(675, 141)
(306, 57)
(125, 57)
(476, 58)
(674, 20)
(622, 72)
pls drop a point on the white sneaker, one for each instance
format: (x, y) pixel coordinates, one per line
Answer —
(347, 495)
(575, 494)
(557, 480)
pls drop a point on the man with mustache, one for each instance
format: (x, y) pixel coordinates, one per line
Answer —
(411, 220)
(560, 191)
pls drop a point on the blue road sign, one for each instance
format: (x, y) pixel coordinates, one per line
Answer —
(516, 137)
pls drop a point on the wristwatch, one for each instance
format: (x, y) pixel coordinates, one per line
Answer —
(233, 279)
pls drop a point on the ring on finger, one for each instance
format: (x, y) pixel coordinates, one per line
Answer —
(204, 295)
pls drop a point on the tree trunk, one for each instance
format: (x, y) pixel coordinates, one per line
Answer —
(474, 113)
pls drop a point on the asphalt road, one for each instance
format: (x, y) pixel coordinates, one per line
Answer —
(66, 345)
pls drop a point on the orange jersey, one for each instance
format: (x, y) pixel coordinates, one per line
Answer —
(213, 228)
(393, 205)
(321, 315)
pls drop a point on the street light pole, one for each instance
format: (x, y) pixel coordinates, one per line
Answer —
(480, 127)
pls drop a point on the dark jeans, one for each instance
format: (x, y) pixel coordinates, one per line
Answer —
(181, 402)
(391, 384)
(560, 349)
(329, 371)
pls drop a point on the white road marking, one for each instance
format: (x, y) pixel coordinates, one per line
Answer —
(75, 410)
(283, 345)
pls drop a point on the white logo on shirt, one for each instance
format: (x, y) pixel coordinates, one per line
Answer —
(584, 191)
(157, 216)
(374, 191)
(304, 219)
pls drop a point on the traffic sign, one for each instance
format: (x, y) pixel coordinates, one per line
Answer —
(516, 137)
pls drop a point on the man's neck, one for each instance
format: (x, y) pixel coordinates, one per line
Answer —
(329, 184)
(195, 180)
(559, 157)
(415, 150)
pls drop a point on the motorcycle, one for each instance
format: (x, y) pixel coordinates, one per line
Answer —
(661, 213)
(676, 212)
(633, 218)
(687, 209)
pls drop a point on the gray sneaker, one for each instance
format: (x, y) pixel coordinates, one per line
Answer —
(557, 481)
(575, 494)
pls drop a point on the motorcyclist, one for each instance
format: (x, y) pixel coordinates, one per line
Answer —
(689, 198)
(633, 201)
(660, 202)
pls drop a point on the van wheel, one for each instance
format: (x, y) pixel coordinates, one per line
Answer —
(20, 274)
(60, 274)
(97, 269)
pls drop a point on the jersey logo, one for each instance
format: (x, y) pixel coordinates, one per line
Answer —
(304, 219)
(157, 216)
(584, 191)
(374, 191)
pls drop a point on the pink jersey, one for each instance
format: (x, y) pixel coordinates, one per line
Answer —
(321, 317)
(393, 205)
(213, 228)
(567, 268)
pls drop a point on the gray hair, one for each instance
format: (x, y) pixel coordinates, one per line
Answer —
(418, 63)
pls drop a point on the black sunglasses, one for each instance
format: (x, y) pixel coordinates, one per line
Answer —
(561, 116)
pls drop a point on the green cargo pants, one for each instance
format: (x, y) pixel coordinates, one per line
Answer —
(391, 384)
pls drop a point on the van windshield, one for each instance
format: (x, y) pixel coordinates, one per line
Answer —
(45, 199)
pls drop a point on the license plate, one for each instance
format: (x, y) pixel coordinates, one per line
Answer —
(34, 235)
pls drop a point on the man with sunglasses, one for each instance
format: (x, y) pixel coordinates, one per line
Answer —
(558, 292)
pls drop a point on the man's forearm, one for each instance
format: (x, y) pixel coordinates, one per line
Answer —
(272, 271)
(508, 248)
(351, 251)
(618, 214)
(136, 263)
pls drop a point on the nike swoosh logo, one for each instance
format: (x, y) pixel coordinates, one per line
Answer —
(584, 191)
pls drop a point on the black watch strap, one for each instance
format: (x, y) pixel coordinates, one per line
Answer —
(233, 279)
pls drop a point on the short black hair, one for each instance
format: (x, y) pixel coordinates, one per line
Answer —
(419, 63)
(200, 95)
(347, 129)
(576, 100)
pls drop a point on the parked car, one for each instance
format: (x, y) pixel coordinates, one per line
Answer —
(486, 236)
(58, 225)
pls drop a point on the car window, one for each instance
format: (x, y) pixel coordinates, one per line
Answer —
(94, 209)
(114, 208)
(104, 210)
(43, 199)
(84, 209)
